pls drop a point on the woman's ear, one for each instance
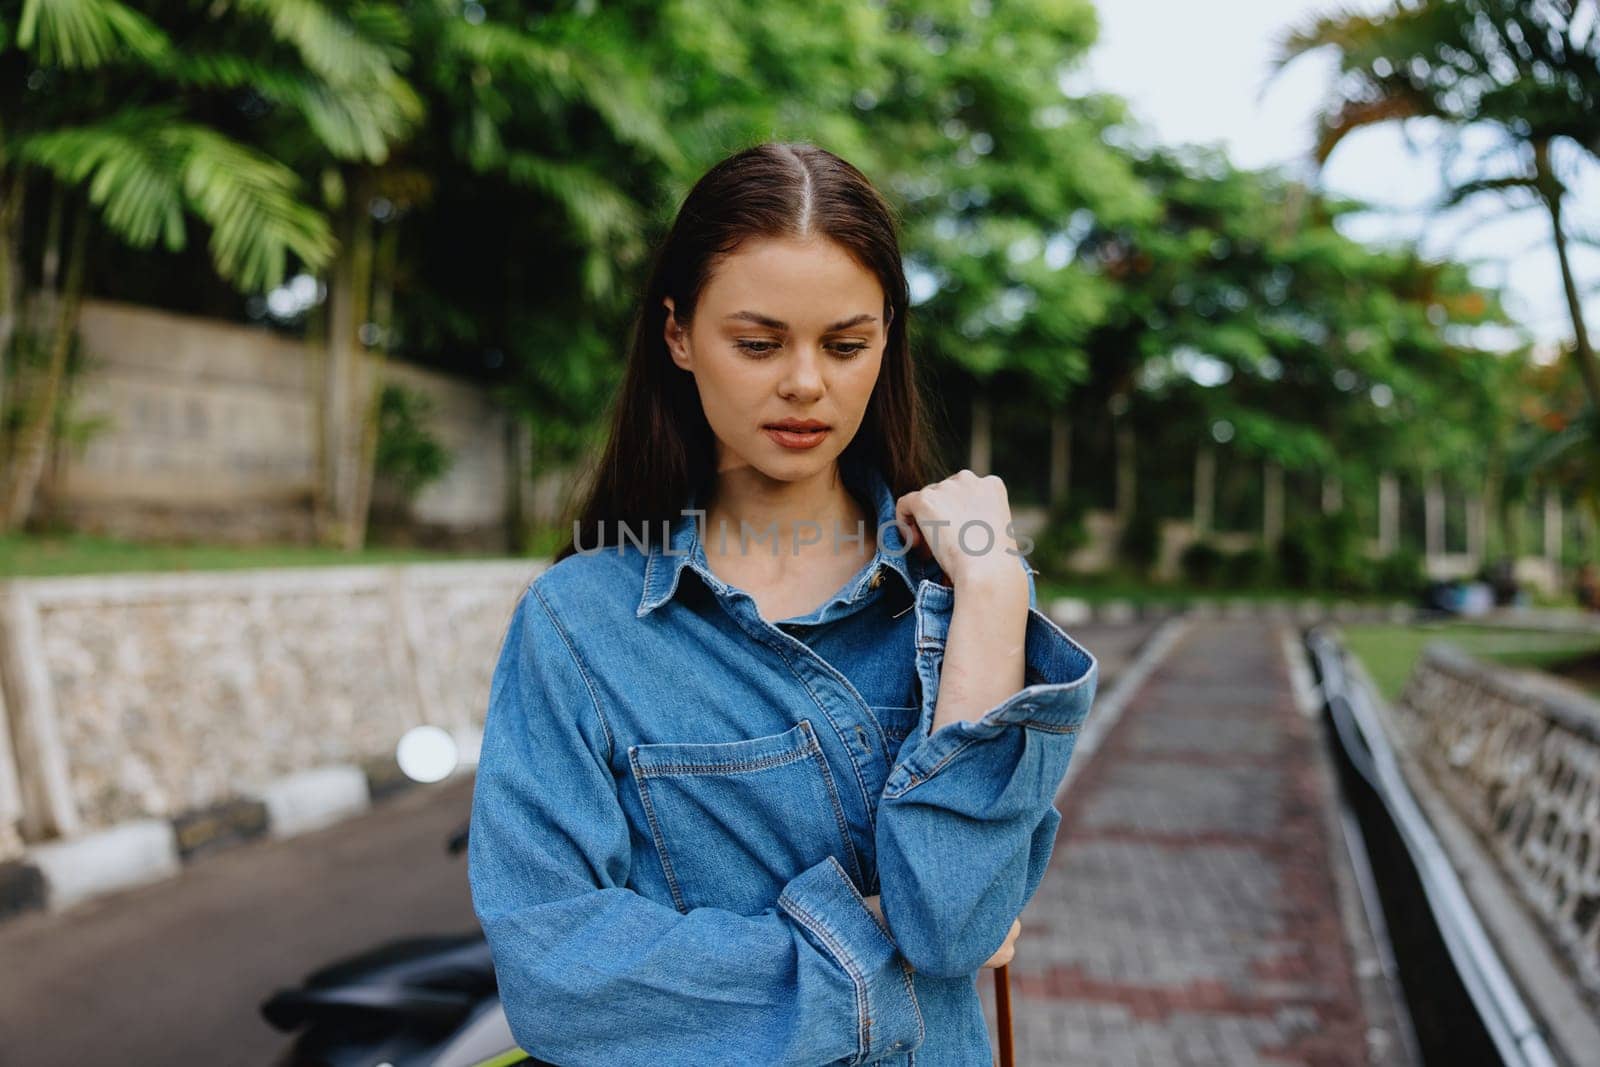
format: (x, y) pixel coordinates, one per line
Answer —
(676, 336)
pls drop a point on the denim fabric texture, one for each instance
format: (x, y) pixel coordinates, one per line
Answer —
(680, 804)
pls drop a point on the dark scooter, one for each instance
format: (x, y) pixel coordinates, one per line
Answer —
(415, 1002)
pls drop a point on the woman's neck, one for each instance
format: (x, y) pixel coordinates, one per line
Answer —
(811, 512)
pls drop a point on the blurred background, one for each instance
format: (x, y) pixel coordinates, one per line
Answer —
(1273, 316)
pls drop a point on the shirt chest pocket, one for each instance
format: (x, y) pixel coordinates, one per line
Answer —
(734, 821)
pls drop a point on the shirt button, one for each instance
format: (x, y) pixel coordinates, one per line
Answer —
(877, 579)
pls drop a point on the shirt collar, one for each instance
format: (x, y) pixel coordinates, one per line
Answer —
(682, 548)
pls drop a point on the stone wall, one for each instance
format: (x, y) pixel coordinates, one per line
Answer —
(140, 696)
(208, 431)
(1519, 757)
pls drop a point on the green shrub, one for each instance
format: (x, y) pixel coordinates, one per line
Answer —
(1324, 552)
(1399, 574)
(1249, 568)
(1201, 563)
(1063, 534)
(407, 452)
(1140, 541)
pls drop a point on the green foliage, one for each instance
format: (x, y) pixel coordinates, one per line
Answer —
(1140, 542)
(1400, 573)
(1063, 534)
(1325, 552)
(407, 452)
(1202, 564)
(1248, 568)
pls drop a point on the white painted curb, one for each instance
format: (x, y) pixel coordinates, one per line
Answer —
(310, 800)
(126, 855)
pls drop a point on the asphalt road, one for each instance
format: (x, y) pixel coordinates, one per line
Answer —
(174, 973)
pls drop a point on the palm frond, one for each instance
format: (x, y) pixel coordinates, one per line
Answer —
(87, 33)
(1352, 115)
(143, 166)
(250, 201)
(326, 43)
(1470, 189)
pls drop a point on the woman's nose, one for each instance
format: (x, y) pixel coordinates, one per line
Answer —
(803, 375)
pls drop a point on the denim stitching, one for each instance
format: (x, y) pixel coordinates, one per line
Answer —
(777, 759)
(765, 637)
(833, 796)
(655, 833)
(922, 1030)
(905, 968)
(816, 926)
(561, 632)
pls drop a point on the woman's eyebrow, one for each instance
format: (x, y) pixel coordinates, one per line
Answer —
(773, 324)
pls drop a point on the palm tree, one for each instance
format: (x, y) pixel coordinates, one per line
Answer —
(1528, 70)
(124, 135)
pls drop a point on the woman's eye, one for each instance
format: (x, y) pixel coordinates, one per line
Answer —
(845, 350)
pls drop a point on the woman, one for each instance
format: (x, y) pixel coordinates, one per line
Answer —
(759, 783)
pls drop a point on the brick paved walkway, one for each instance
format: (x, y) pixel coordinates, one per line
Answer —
(1191, 914)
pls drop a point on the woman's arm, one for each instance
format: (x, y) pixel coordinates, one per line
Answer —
(983, 652)
(966, 822)
(592, 972)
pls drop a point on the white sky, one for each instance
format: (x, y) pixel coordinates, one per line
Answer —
(1193, 72)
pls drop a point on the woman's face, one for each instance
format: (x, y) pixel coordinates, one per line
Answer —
(784, 330)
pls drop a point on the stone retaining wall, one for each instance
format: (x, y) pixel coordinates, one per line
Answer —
(148, 696)
(1519, 758)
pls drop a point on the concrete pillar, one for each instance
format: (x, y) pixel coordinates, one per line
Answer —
(1433, 514)
(1388, 513)
(1332, 494)
(1552, 526)
(1205, 489)
(1126, 471)
(980, 457)
(1476, 525)
(1271, 504)
(1060, 456)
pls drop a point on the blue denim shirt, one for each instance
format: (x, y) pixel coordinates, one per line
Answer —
(680, 804)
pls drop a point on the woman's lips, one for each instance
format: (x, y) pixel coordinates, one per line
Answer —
(796, 439)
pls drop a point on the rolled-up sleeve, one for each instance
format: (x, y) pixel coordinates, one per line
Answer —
(589, 970)
(966, 822)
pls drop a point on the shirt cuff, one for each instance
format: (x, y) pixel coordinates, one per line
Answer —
(1060, 678)
(827, 905)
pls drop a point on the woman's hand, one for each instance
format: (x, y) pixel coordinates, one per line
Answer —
(964, 523)
(1008, 947)
(1003, 955)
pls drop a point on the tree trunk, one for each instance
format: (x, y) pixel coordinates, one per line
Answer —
(1271, 505)
(1127, 466)
(981, 453)
(1205, 489)
(343, 390)
(27, 459)
(372, 384)
(11, 191)
(1550, 189)
(1060, 457)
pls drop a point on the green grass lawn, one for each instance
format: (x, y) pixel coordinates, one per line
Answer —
(39, 556)
(1389, 650)
(1098, 589)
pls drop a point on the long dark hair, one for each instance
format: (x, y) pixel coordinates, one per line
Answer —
(661, 446)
